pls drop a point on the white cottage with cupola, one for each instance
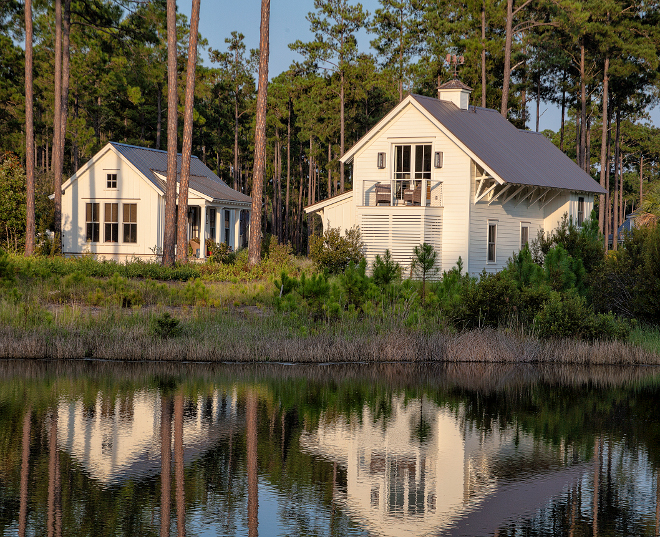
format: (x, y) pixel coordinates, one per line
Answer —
(114, 206)
(459, 177)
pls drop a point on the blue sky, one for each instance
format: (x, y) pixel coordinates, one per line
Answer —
(287, 24)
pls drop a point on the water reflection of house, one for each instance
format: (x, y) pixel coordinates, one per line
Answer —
(421, 470)
(118, 439)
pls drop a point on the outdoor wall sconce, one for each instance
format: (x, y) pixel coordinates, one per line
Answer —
(437, 161)
(380, 161)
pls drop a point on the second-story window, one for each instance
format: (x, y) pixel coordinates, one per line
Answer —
(412, 164)
(111, 181)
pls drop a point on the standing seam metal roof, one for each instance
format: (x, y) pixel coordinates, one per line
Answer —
(202, 179)
(517, 156)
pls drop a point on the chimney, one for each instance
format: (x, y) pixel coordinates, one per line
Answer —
(456, 92)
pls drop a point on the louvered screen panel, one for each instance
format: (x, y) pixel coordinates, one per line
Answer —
(406, 234)
(433, 236)
(375, 230)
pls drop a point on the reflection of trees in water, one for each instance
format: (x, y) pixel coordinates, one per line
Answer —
(571, 413)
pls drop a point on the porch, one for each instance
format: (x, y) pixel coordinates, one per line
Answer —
(219, 223)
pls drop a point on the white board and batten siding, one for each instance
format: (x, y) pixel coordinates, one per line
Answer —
(400, 228)
(90, 186)
(509, 219)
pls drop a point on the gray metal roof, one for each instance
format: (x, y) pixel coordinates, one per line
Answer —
(516, 156)
(202, 179)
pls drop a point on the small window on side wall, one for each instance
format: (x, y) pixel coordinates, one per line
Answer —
(92, 222)
(580, 211)
(111, 181)
(524, 234)
(492, 241)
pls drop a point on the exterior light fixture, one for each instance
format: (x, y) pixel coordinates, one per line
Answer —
(437, 161)
(380, 161)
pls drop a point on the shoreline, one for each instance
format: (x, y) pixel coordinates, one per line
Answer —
(245, 342)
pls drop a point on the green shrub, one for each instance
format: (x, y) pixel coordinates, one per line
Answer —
(385, 270)
(333, 252)
(220, 253)
(165, 326)
(355, 283)
(569, 316)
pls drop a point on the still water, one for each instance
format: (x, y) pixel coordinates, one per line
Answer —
(99, 448)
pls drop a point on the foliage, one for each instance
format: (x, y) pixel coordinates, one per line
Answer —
(333, 252)
(165, 326)
(385, 270)
(220, 253)
(424, 263)
(12, 203)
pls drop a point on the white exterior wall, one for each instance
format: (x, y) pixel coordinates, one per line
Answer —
(401, 228)
(90, 187)
(509, 219)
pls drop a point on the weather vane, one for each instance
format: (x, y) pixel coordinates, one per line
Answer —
(456, 61)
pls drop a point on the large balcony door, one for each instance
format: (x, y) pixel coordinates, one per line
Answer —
(412, 171)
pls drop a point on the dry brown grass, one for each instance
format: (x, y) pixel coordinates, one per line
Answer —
(250, 342)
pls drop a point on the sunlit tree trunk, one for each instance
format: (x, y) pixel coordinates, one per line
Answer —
(615, 205)
(341, 133)
(603, 146)
(483, 54)
(641, 179)
(178, 466)
(583, 158)
(287, 224)
(507, 58)
(186, 150)
(159, 99)
(29, 133)
(57, 118)
(25, 473)
(165, 465)
(252, 475)
(170, 192)
(254, 255)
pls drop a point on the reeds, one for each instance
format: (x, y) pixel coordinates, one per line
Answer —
(211, 336)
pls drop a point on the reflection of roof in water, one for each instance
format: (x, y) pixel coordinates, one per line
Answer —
(114, 443)
(424, 470)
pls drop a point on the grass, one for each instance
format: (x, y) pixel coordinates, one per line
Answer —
(647, 337)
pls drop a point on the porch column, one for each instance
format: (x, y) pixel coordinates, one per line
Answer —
(237, 228)
(218, 225)
(202, 233)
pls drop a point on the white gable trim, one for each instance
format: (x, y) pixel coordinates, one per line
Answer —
(92, 161)
(410, 100)
(320, 205)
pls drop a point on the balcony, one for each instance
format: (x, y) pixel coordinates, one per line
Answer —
(402, 193)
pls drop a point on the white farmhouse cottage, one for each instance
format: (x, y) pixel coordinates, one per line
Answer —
(459, 177)
(114, 206)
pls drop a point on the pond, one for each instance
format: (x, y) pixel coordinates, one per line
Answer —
(103, 448)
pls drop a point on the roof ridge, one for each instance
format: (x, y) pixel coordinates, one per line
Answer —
(148, 149)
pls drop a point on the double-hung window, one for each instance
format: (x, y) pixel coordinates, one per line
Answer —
(524, 234)
(412, 165)
(111, 222)
(580, 211)
(130, 222)
(92, 222)
(492, 241)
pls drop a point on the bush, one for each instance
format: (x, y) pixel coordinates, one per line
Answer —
(165, 326)
(333, 253)
(385, 270)
(220, 253)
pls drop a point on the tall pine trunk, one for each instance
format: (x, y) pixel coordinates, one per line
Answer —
(583, 158)
(287, 224)
(170, 194)
(507, 58)
(341, 133)
(483, 54)
(615, 205)
(66, 72)
(186, 150)
(56, 165)
(603, 144)
(254, 255)
(29, 133)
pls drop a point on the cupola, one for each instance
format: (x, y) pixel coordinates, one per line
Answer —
(456, 92)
